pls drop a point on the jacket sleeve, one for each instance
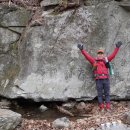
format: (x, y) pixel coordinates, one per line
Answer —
(112, 56)
(88, 57)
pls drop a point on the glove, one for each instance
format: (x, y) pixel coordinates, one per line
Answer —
(80, 47)
(118, 44)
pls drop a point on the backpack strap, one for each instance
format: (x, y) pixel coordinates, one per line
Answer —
(105, 60)
(107, 63)
(94, 66)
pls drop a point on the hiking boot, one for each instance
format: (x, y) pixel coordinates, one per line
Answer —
(101, 107)
(108, 107)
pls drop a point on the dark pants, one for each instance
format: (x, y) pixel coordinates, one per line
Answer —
(103, 89)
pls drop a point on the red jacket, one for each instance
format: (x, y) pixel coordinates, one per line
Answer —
(101, 72)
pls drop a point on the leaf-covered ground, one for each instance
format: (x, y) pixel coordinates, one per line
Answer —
(88, 119)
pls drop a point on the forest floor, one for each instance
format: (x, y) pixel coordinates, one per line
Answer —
(90, 118)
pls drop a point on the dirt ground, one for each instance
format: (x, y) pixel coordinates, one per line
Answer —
(87, 119)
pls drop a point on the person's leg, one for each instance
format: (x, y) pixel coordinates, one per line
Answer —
(99, 86)
(106, 86)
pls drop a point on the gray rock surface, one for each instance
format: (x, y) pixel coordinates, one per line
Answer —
(13, 21)
(61, 123)
(49, 2)
(113, 126)
(8, 36)
(69, 105)
(50, 66)
(12, 16)
(95, 2)
(5, 104)
(9, 119)
(43, 108)
(125, 4)
(126, 118)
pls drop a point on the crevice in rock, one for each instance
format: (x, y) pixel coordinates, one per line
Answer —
(23, 101)
(12, 29)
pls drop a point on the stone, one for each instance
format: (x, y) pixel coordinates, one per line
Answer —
(80, 121)
(17, 30)
(125, 5)
(45, 48)
(92, 128)
(61, 123)
(113, 126)
(49, 3)
(126, 118)
(9, 120)
(95, 2)
(5, 104)
(68, 105)
(81, 106)
(7, 37)
(43, 108)
(48, 66)
(11, 17)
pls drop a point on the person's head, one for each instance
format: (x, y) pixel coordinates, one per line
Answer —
(100, 53)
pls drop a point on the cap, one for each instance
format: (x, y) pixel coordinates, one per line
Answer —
(100, 51)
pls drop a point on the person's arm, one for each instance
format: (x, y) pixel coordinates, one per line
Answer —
(111, 56)
(86, 55)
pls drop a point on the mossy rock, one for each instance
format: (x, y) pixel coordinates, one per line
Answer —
(8, 36)
(14, 49)
(18, 17)
(11, 72)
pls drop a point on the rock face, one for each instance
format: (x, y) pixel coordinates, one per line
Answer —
(9, 119)
(49, 65)
(13, 21)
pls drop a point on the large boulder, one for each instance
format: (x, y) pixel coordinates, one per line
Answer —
(50, 67)
(9, 120)
(13, 21)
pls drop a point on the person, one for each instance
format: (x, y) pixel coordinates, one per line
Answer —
(101, 73)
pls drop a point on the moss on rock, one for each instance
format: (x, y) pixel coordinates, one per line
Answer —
(15, 18)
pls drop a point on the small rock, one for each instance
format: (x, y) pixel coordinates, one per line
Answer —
(92, 128)
(61, 123)
(81, 106)
(98, 120)
(81, 121)
(113, 126)
(4, 104)
(9, 120)
(43, 108)
(49, 3)
(126, 118)
(69, 105)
